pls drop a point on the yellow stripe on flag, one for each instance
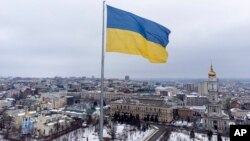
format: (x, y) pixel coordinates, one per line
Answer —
(129, 42)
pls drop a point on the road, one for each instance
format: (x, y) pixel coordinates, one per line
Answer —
(156, 136)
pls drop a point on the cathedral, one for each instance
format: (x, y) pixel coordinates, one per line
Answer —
(214, 118)
(27, 124)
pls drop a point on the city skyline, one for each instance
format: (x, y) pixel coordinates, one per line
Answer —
(63, 38)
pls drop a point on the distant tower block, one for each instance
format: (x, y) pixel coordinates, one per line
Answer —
(127, 77)
(202, 88)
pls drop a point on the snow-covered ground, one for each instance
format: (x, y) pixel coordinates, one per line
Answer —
(179, 136)
(1, 138)
(126, 132)
(183, 123)
(123, 132)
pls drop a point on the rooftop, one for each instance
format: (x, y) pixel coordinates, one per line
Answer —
(159, 102)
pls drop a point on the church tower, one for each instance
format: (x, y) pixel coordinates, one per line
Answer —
(214, 108)
(212, 81)
(214, 118)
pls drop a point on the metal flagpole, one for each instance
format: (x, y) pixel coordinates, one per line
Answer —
(102, 73)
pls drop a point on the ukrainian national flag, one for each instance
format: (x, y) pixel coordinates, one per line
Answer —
(131, 34)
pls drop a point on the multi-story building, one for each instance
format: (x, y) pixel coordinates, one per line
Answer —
(55, 100)
(239, 114)
(143, 108)
(242, 100)
(6, 103)
(127, 77)
(108, 96)
(184, 113)
(166, 91)
(189, 87)
(194, 100)
(214, 118)
(58, 103)
(46, 125)
(202, 88)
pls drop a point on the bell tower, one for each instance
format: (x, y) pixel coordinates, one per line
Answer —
(214, 117)
(212, 85)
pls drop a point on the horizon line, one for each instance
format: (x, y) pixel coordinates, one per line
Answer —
(133, 78)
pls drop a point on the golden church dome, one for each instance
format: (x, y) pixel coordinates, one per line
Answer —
(211, 73)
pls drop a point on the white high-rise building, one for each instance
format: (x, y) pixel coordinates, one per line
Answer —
(202, 88)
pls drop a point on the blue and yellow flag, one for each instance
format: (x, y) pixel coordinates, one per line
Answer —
(131, 34)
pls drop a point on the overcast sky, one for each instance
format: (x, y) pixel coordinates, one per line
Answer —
(63, 38)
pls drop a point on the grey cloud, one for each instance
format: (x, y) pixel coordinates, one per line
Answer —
(62, 37)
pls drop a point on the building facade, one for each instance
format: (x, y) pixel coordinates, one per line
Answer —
(165, 91)
(127, 78)
(163, 113)
(108, 96)
(193, 100)
(51, 124)
(202, 88)
(190, 87)
(184, 113)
